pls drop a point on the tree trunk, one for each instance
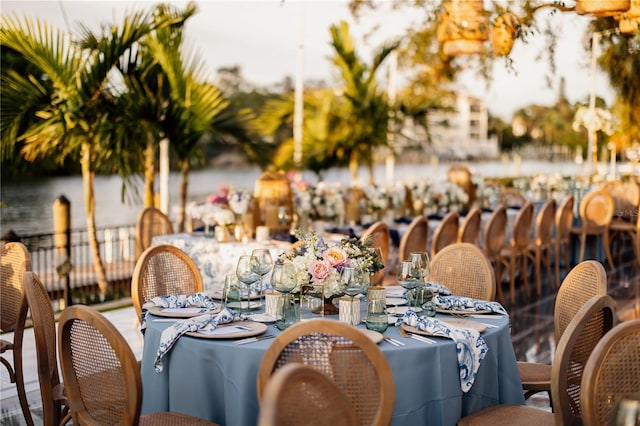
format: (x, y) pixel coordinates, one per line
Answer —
(353, 166)
(370, 167)
(90, 210)
(149, 173)
(184, 172)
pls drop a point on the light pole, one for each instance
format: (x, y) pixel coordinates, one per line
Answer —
(592, 141)
(298, 102)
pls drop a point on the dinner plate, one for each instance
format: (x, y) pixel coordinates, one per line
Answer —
(243, 305)
(267, 319)
(188, 312)
(462, 311)
(395, 301)
(373, 335)
(401, 310)
(232, 330)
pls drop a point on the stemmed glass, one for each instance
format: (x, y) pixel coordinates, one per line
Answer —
(246, 275)
(283, 280)
(421, 260)
(261, 264)
(353, 280)
(409, 277)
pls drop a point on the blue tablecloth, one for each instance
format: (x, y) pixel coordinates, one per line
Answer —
(216, 380)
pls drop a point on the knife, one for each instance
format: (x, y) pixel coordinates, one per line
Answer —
(253, 339)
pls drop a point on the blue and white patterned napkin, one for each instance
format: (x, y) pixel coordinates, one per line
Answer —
(470, 346)
(196, 300)
(201, 323)
(461, 303)
(438, 288)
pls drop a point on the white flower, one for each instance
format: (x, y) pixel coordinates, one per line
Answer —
(594, 120)
(239, 199)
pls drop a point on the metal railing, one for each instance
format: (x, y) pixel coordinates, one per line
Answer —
(117, 250)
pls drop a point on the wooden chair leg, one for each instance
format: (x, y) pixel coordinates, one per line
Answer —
(22, 394)
(607, 249)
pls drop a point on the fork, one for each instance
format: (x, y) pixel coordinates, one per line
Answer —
(405, 333)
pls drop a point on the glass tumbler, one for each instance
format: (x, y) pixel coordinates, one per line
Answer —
(231, 293)
(377, 318)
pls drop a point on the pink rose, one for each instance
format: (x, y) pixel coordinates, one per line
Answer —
(319, 270)
(335, 256)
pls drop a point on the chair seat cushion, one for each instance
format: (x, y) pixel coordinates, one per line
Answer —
(535, 373)
(508, 415)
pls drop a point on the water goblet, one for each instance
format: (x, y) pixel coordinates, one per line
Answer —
(284, 280)
(410, 277)
(352, 280)
(421, 260)
(246, 274)
(261, 263)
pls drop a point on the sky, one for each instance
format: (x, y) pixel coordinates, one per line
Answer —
(263, 37)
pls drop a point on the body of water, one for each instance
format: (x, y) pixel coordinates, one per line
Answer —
(27, 206)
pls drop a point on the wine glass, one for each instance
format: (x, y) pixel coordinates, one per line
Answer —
(352, 280)
(246, 275)
(410, 277)
(284, 280)
(261, 264)
(421, 260)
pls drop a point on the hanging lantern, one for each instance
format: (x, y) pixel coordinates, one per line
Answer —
(602, 8)
(503, 33)
(629, 21)
(462, 27)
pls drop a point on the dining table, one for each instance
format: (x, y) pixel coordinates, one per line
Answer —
(215, 379)
(216, 259)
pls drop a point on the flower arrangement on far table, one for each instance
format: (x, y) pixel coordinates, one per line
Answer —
(320, 263)
(239, 199)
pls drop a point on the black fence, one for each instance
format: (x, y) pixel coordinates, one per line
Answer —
(60, 272)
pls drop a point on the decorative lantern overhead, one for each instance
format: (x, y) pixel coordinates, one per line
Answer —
(462, 27)
(503, 33)
(629, 21)
(602, 7)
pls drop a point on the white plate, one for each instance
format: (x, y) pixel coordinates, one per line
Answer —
(373, 335)
(395, 301)
(262, 318)
(243, 305)
(182, 312)
(218, 295)
(401, 310)
(252, 329)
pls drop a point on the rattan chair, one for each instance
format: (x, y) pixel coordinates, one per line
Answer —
(471, 226)
(612, 374)
(344, 354)
(540, 250)
(163, 270)
(460, 175)
(149, 223)
(101, 375)
(562, 239)
(297, 394)
(379, 234)
(15, 260)
(415, 238)
(493, 241)
(625, 224)
(514, 255)
(596, 211)
(582, 335)
(465, 269)
(445, 233)
(511, 197)
(587, 280)
(54, 402)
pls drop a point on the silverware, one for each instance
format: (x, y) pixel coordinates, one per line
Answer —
(253, 339)
(393, 342)
(405, 333)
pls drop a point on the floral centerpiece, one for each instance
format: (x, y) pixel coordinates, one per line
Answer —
(239, 199)
(319, 263)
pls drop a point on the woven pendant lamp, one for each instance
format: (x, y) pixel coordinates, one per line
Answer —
(602, 8)
(629, 21)
(503, 33)
(462, 27)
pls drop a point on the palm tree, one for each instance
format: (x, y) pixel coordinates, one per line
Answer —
(368, 107)
(67, 111)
